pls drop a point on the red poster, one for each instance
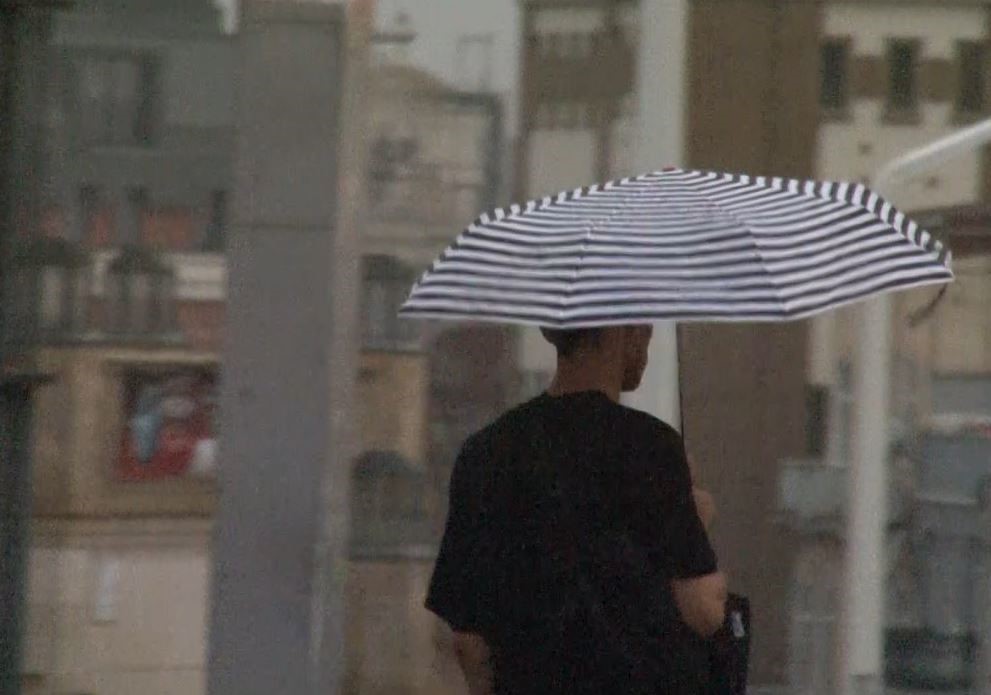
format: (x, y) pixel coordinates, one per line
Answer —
(169, 427)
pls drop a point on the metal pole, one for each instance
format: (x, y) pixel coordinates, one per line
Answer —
(866, 518)
(15, 515)
(661, 92)
(19, 31)
(862, 635)
(982, 685)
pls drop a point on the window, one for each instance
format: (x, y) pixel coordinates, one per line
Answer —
(834, 70)
(386, 285)
(216, 230)
(89, 211)
(971, 62)
(816, 414)
(392, 159)
(137, 205)
(903, 59)
(117, 99)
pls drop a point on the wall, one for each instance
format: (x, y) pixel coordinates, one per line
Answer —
(560, 160)
(118, 607)
(960, 332)
(450, 173)
(395, 646)
(391, 403)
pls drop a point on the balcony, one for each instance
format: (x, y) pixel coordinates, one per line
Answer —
(59, 294)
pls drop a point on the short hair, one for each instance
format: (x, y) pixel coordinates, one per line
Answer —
(569, 340)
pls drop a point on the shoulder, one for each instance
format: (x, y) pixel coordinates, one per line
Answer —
(649, 428)
(503, 428)
(654, 450)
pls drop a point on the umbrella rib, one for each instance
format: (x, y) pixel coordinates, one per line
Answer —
(590, 228)
(757, 250)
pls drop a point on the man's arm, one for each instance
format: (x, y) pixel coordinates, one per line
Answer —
(474, 658)
(702, 600)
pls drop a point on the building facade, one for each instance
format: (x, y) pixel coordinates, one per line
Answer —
(894, 76)
(140, 127)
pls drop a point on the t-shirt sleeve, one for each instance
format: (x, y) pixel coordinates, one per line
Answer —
(457, 592)
(664, 516)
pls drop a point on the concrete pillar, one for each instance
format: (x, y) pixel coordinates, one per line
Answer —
(277, 613)
(661, 94)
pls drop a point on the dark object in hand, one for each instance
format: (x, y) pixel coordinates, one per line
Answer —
(730, 650)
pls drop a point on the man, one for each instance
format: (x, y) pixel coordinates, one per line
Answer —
(574, 559)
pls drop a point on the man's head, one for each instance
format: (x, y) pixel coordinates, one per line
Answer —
(618, 349)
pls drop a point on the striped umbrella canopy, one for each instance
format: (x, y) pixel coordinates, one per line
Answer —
(679, 245)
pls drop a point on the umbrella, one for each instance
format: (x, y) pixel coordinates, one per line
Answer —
(679, 245)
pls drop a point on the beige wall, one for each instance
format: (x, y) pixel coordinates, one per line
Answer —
(870, 24)
(856, 151)
(119, 607)
(564, 20)
(392, 403)
(959, 335)
(438, 197)
(395, 646)
(954, 339)
(560, 160)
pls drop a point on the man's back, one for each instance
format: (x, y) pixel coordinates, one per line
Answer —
(569, 516)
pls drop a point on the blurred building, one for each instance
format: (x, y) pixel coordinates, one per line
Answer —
(937, 527)
(894, 76)
(436, 155)
(125, 277)
(435, 162)
(126, 299)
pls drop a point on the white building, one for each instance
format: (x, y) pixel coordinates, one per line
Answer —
(894, 76)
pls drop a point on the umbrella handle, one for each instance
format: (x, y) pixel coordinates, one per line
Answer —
(679, 337)
(918, 316)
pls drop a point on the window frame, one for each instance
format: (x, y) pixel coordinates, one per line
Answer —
(903, 110)
(841, 109)
(962, 111)
(142, 127)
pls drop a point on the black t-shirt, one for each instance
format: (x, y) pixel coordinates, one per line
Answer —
(568, 518)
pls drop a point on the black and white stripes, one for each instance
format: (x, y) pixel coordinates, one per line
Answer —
(679, 245)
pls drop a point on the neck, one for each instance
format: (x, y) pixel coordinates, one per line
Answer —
(577, 375)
